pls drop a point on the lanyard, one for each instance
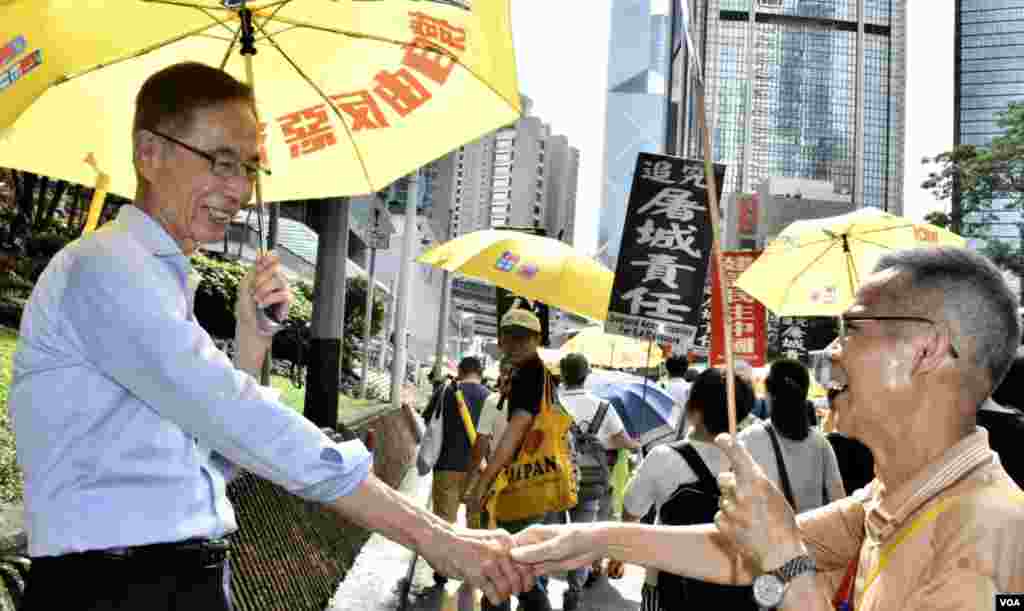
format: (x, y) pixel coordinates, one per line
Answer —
(844, 599)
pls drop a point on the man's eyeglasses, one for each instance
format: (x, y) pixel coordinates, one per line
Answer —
(222, 164)
(843, 327)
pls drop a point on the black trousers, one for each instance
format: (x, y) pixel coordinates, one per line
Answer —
(146, 582)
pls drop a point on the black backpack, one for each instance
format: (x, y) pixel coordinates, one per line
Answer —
(591, 459)
(696, 503)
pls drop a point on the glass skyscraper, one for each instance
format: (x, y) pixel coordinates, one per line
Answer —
(637, 106)
(809, 89)
(989, 75)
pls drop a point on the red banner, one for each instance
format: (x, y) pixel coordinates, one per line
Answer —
(748, 315)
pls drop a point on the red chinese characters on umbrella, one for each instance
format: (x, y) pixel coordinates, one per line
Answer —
(748, 314)
(307, 131)
(429, 58)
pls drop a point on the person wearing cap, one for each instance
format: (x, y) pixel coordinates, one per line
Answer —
(519, 337)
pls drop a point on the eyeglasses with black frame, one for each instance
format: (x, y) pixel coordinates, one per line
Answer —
(843, 326)
(223, 165)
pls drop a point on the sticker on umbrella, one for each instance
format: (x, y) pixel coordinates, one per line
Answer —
(828, 295)
(12, 50)
(509, 262)
(9, 76)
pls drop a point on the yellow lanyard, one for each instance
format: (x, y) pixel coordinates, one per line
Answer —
(919, 522)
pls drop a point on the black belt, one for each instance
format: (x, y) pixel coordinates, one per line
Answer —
(194, 552)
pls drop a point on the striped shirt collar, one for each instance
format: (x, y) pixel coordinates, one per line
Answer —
(887, 511)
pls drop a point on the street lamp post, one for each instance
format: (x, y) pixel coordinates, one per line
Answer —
(463, 317)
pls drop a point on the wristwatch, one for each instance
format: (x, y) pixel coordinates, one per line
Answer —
(770, 588)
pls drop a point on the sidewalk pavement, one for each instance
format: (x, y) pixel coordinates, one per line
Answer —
(380, 569)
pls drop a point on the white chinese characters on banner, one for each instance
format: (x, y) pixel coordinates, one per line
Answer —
(667, 221)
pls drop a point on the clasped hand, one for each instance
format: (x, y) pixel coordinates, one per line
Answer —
(754, 516)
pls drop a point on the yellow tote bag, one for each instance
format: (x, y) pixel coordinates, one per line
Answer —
(542, 477)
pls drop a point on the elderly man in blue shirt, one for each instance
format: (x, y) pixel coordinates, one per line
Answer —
(129, 421)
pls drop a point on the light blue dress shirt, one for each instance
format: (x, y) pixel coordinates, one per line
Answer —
(128, 420)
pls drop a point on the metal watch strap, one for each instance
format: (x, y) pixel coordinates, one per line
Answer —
(794, 568)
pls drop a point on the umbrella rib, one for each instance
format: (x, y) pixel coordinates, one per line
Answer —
(316, 88)
(820, 256)
(881, 229)
(132, 55)
(363, 35)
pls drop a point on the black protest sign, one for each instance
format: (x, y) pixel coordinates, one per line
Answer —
(799, 335)
(663, 261)
(702, 343)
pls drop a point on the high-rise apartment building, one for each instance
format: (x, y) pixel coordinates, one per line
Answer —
(518, 176)
(800, 89)
(989, 75)
(636, 115)
(562, 165)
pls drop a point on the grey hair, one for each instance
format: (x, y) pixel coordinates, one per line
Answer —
(974, 295)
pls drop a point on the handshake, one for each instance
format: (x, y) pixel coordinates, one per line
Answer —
(754, 520)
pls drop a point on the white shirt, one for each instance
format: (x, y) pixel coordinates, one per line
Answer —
(661, 473)
(806, 461)
(492, 420)
(583, 407)
(680, 391)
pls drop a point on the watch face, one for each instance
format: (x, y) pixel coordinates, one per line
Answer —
(768, 590)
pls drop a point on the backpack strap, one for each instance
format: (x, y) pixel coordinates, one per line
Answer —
(782, 467)
(704, 477)
(595, 424)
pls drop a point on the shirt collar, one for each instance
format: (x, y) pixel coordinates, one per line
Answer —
(147, 231)
(887, 510)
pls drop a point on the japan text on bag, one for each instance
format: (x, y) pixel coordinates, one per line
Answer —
(542, 477)
(430, 446)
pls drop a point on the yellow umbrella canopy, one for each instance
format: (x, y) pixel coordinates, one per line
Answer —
(351, 94)
(814, 267)
(610, 350)
(530, 266)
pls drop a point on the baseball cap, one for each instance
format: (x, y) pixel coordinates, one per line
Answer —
(518, 317)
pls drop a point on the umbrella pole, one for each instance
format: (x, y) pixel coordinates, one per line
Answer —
(851, 266)
(647, 365)
(716, 253)
(248, 49)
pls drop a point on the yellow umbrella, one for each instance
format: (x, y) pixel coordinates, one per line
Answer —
(610, 350)
(351, 94)
(530, 266)
(814, 267)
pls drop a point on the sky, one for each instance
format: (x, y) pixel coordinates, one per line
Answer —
(562, 60)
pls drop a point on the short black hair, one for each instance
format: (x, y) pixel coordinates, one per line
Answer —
(708, 396)
(469, 365)
(677, 364)
(169, 98)
(574, 368)
(788, 382)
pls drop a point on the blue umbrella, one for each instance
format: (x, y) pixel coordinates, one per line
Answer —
(645, 409)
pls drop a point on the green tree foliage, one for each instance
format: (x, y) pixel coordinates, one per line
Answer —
(218, 289)
(982, 174)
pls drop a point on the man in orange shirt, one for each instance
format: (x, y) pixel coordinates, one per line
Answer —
(929, 336)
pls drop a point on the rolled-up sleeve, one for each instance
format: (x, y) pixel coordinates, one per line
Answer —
(133, 331)
(833, 535)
